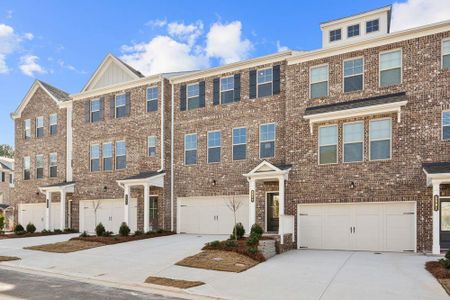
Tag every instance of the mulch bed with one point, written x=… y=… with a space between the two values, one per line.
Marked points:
x=241 y=248
x=66 y=247
x=440 y=273
x=8 y=258
x=116 y=239
x=25 y=235
x=181 y=284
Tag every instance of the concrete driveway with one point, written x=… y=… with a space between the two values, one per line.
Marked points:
x=298 y=274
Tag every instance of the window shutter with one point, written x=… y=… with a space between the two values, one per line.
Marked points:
x=128 y=103
x=201 y=99
x=183 y=97
x=237 y=87
x=112 y=107
x=252 y=86
x=87 y=111
x=102 y=108
x=216 y=91
x=276 y=79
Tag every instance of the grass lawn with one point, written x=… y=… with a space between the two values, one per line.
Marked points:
x=8 y=258
x=219 y=260
x=181 y=284
x=440 y=273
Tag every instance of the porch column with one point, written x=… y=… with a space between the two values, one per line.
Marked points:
x=146 y=208
x=62 y=216
x=436 y=221
x=126 y=204
x=281 y=208
x=48 y=209
x=252 y=203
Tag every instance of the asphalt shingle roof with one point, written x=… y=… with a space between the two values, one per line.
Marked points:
x=57 y=93
x=436 y=167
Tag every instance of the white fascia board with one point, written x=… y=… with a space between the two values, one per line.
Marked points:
x=70 y=188
x=157 y=180
x=438 y=178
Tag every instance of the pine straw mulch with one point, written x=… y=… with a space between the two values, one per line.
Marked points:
x=116 y=239
x=66 y=247
x=27 y=234
x=239 y=246
x=181 y=284
x=8 y=258
x=219 y=260
x=440 y=273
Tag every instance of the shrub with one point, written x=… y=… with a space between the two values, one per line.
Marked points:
x=138 y=232
x=214 y=244
x=445 y=262
x=252 y=250
x=57 y=231
x=256 y=230
x=253 y=239
x=45 y=231
x=238 y=232
x=2 y=222
x=160 y=230
x=230 y=244
x=31 y=228
x=124 y=230
x=84 y=234
x=70 y=230
x=107 y=233
x=100 y=229
x=19 y=229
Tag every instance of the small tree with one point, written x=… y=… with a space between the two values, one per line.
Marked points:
x=2 y=223
x=96 y=206
x=124 y=230
x=31 y=228
x=6 y=151
x=100 y=229
x=234 y=205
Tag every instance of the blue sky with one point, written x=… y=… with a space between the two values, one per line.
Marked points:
x=62 y=42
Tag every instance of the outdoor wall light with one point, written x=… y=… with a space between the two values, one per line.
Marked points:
x=352 y=185
x=105 y=188
x=436 y=203
x=214 y=182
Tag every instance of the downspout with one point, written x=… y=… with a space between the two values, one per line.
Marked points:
x=171 y=158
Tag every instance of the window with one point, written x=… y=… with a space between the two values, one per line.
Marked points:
x=239 y=143
x=3 y=176
x=353 y=30
x=214 y=146
x=227 y=90
x=372 y=26
x=265 y=82
x=11 y=179
x=27 y=129
x=353 y=142
x=153 y=209
x=319 y=81
x=335 y=35
x=95 y=158
x=446 y=125
x=121 y=106
x=39 y=126
x=328 y=137
x=53 y=165
x=380 y=139
x=39 y=166
x=53 y=124
x=95 y=110
x=121 y=155
x=193 y=96
x=390 y=68
x=446 y=54
x=190 y=149
x=353 y=75
x=267 y=140
x=151 y=146
x=26 y=168
x=152 y=99
x=107 y=157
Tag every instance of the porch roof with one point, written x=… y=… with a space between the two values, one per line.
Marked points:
x=267 y=170
x=67 y=187
x=437 y=172
x=155 y=178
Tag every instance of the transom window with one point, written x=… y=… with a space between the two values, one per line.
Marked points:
x=121 y=155
x=267 y=140
x=26 y=168
x=265 y=82
x=328 y=137
x=152 y=99
x=353 y=30
x=107 y=156
x=39 y=126
x=190 y=149
x=380 y=134
x=353 y=75
x=193 y=96
x=214 y=146
x=239 y=143
x=151 y=146
x=446 y=125
x=121 y=105
x=27 y=129
x=227 y=90
x=53 y=124
x=95 y=157
x=95 y=110
x=372 y=26
x=446 y=54
x=39 y=166
x=353 y=141
x=335 y=35
x=319 y=81
x=390 y=68
x=53 y=158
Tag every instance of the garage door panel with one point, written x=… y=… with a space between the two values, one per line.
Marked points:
x=337 y=231
x=311 y=233
x=398 y=237
x=368 y=231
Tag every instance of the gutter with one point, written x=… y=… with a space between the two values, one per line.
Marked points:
x=162 y=124
x=171 y=159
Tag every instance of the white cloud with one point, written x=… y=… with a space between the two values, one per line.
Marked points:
x=10 y=41
x=189 y=33
x=29 y=36
x=281 y=48
x=415 y=13
x=224 y=41
x=9 y=14
x=69 y=67
x=29 y=65
x=156 y=23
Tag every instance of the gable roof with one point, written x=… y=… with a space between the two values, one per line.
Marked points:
x=102 y=68
x=59 y=96
x=4 y=167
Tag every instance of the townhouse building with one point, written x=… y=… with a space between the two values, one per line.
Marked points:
x=344 y=147
x=6 y=179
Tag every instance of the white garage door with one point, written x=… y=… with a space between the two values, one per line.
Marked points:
x=210 y=215
x=363 y=226
x=109 y=212
x=35 y=213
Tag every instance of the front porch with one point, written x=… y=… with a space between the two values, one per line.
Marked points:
x=63 y=190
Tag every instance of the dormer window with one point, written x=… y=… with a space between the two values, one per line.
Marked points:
x=372 y=26
x=335 y=35
x=353 y=30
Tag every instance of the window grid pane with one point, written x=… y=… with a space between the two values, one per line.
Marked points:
x=335 y=35
x=213 y=139
x=372 y=26
x=353 y=142
x=226 y=84
x=353 y=30
x=190 y=142
x=328 y=135
x=152 y=93
x=446 y=125
x=380 y=139
x=267 y=132
x=53 y=119
x=239 y=136
x=265 y=76
x=193 y=90
x=390 y=60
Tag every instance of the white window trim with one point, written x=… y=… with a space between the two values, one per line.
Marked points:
x=26 y=158
x=442 y=51
x=50 y=119
x=153 y=99
x=274 y=140
x=50 y=163
x=91 y=158
x=390 y=140
x=344 y=143
x=372 y=21
x=43 y=165
x=187 y=93
x=186 y=149
x=113 y=161
x=258 y=83
x=328 y=79
x=116 y=156
x=220 y=86
x=343 y=73
x=115 y=103
x=27 y=128
x=379 y=67
x=319 y=145
x=94 y=111
x=359 y=34
x=43 y=124
x=208 y=147
x=148 y=145
x=233 y=144
x=442 y=125
x=329 y=35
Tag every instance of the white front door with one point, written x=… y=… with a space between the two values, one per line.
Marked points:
x=360 y=226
